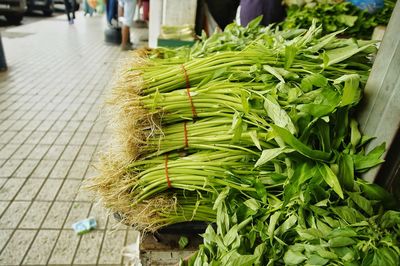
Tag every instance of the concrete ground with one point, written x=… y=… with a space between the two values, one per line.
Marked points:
x=50 y=132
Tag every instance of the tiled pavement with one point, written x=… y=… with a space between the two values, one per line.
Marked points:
x=50 y=131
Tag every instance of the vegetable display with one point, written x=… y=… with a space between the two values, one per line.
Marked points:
x=252 y=130
x=338 y=15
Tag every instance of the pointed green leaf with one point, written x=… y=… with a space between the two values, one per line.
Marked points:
x=361 y=202
x=340 y=54
x=289 y=139
x=254 y=138
x=274 y=72
x=293 y=257
x=290 y=54
x=278 y=115
x=269 y=154
x=273 y=220
x=286 y=225
x=341 y=241
x=351 y=91
x=331 y=179
x=355 y=135
x=231 y=235
x=252 y=204
x=365 y=162
x=346 y=171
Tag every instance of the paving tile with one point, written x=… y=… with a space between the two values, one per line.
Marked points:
x=3 y=180
x=17 y=246
x=5 y=114
x=61 y=169
x=79 y=211
x=64 y=138
x=53 y=116
x=39 y=151
x=33 y=124
x=44 y=168
x=26 y=168
x=57 y=215
x=72 y=126
x=89 y=248
x=85 y=127
x=114 y=224
x=100 y=214
x=93 y=138
x=29 y=115
x=99 y=126
x=85 y=195
x=92 y=116
x=9 y=167
x=48 y=114
x=6 y=124
x=50 y=137
x=59 y=126
x=46 y=124
x=79 y=138
x=39 y=252
x=35 y=137
x=86 y=153
x=112 y=247
x=35 y=215
x=49 y=189
x=21 y=137
x=18 y=125
x=30 y=189
x=91 y=171
x=4 y=237
x=54 y=152
x=78 y=169
x=8 y=150
x=23 y=151
x=6 y=136
x=65 y=248
x=3 y=206
x=79 y=116
x=70 y=152
x=14 y=213
x=11 y=188
x=67 y=115
x=69 y=190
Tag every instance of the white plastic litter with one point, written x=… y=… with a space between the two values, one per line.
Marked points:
x=131 y=253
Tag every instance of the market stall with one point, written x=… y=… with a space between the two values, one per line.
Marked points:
x=254 y=133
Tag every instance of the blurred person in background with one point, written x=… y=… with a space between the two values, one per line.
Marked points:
x=128 y=7
x=145 y=5
x=70 y=10
x=272 y=11
x=112 y=12
x=224 y=12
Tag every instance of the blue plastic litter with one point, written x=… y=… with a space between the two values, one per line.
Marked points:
x=84 y=226
x=368 y=5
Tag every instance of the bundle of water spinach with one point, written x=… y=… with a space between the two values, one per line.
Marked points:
x=258 y=137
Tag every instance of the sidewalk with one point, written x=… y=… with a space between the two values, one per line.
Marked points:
x=50 y=131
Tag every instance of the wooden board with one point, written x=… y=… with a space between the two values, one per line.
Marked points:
x=380 y=111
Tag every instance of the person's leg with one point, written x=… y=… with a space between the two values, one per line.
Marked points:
x=125 y=35
x=109 y=11
x=67 y=9
x=129 y=11
x=73 y=8
x=249 y=10
x=223 y=11
x=273 y=11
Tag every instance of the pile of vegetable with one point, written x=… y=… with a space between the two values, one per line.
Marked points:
x=253 y=132
x=337 y=15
